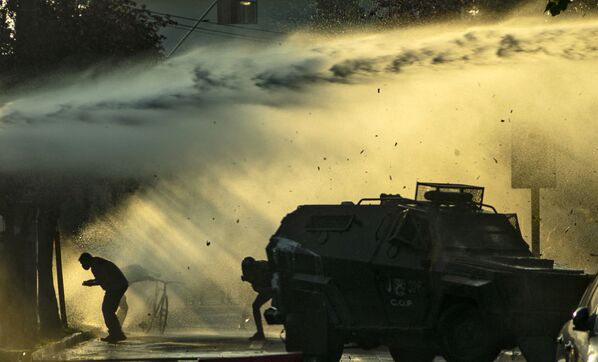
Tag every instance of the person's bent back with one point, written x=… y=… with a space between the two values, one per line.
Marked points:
x=107 y=274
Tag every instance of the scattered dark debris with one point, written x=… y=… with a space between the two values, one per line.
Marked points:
x=390 y=176
x=155 y=176
x=571 y=212
x=396 y=143
x=495 y=160
x=567 y=229
x=502 y=121
x=208 y=243
x=213 y=219
x=188 y=268
x=375 y=135
x=237 y=221
x=362 y=151
x=404 y=187
x=593 y=254
x=324 y=158
x=511 y=111
x=378 y=90
x=318 y=168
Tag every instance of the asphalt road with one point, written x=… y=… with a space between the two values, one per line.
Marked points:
x=194 y=344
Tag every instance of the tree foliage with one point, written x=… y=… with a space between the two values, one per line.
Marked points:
x=555 y=7
x=337 y=11
x=59 y=33
x=6 y=34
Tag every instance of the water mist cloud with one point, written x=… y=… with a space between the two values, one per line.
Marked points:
x=134 y=116
x=234 y=137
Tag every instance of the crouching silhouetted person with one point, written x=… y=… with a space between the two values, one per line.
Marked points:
x=112 y=280
x=258 y=274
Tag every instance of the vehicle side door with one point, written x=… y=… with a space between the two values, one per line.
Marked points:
x=403 y=264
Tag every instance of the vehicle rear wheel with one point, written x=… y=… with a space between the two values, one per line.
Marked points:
x=411 y=355
x=465 y=336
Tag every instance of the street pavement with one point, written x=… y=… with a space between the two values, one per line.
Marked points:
x=187 y=345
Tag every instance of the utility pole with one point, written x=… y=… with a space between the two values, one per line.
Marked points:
x=229 y=12
x=193 y=28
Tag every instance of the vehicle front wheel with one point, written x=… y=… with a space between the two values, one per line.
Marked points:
x=334 y=349
x=318 y=342
x=466 y=336
x=411 y=355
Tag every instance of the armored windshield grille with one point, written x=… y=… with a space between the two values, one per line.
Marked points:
x=476 y=192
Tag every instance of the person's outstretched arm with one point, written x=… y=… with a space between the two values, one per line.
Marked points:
x=91 y=283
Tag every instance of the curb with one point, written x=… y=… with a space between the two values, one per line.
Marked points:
x=56 y=347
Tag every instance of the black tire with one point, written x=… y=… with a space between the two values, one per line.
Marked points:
x=301 y=336
x=336 y=345
x=411 y=355
x=465 y=336
x=334 y=350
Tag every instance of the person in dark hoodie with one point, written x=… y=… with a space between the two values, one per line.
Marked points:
x=112 y=280
x=258 y=274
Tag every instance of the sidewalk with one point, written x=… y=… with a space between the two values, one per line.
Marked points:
x=41 y=352
x=50 y=349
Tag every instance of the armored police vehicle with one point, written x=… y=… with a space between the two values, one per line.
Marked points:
x=441 y=274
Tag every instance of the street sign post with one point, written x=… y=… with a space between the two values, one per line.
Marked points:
x=533 y=166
